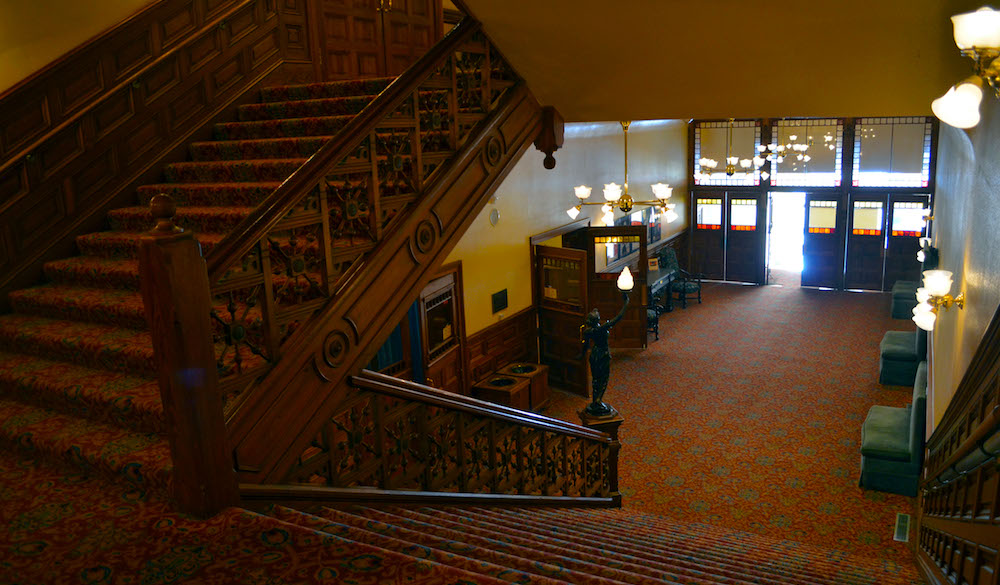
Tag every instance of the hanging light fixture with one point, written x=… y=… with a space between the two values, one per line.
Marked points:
x=977 y=35
x=733 y=163
x=616 y=195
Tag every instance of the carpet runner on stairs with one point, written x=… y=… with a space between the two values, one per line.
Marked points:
x=600 y=547
x=77 y=377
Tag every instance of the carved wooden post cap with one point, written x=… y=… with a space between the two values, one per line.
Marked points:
x=163 y=208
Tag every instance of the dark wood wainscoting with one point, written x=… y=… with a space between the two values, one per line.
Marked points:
x=959 y=527
x=512 y=339
x=76 y=137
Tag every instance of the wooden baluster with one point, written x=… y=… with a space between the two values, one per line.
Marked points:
x=175 y=291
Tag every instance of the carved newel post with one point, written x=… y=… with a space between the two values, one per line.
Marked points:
x=177 y=297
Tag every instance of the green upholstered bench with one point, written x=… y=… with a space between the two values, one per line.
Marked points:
x=904 y=298
x=899 y=354
x=892 y=443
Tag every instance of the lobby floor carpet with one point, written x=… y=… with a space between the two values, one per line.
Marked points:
x=747 y=414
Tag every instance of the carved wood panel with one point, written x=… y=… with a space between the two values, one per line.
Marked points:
x=74 y=135
x=327 y=348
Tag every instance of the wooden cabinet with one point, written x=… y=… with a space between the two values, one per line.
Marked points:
x=375 y=38
x=442 y=333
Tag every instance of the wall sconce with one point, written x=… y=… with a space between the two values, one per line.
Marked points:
x=932 y=296
x=977 y=35
x=927 y=254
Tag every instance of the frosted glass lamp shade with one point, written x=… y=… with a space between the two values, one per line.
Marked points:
x=925 y=242
x=662 y=191
x=608 y=218
x=959 y=106
x=921 y=256
x=625 y=281
x=764 y=175
x=581 y=192
x=922 y=295
x=612 y=192
x=924 y=317
x=979 y=29
x=671 y=216
x=732 y=160
x=573 y=212
x=937 y=282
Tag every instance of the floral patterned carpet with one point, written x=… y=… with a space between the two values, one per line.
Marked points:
x=747 y=414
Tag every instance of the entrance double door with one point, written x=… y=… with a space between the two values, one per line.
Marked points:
x=727 y=239
x=883 y=236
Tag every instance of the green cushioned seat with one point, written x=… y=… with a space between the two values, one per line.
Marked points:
x=898 y=345
x=685 y=286
x=904 y=288
x=892 y=442
x=886 y=433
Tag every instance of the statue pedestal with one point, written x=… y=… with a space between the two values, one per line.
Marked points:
x=606 y=424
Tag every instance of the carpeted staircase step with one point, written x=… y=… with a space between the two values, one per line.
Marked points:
x=453 y=554
x=648 y=549
x=125 y=245
x=328 y=89
x=285 y=128
x=704 y=540
x=98 y=395
x=336 y=106
x=232 y=171
x=206 y=194
x=141 y=459
x=94 y=271
x=531 y=548
x=121 y=307
x=218 y=219
x=88 y=344
x=294 y=147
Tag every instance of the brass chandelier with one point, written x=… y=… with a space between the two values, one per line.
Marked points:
x=618 y=196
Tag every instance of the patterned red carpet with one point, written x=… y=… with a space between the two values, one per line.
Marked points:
x=747 y=414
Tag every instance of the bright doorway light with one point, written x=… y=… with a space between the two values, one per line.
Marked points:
x=788 y=217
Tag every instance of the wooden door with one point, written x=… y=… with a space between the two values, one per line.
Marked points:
x=410 y=28
x=823 y=241
x=906 y=227
x=744 y=242
x=561 y=290
x=352 y=38
x=443 y=332
x=708 y=238
x=866 y=242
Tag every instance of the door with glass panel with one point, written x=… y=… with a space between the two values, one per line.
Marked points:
x=561 y=290
x=442 y=329
x=823 y=242
x=906 y=227
x=708 y=238
x=866 y=242
x=744 y=242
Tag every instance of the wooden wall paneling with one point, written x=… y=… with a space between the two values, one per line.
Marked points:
x=410 y=27
x=513 y=339
x=352 y=32
x=66 y=162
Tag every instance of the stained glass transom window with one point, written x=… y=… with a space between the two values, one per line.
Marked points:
x=892 y=152
x=817 y=166
x=711 y=141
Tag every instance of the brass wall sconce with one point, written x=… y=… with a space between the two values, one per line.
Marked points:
x=977 y=35
x=935 y=294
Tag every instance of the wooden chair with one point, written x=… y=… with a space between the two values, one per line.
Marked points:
x=686 y=285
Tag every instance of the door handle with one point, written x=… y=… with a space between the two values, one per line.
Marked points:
x=429 y=381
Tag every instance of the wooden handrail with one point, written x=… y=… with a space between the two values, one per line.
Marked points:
x=267 y=215
x=106 y=36
x=418 y=392
x=307 y=494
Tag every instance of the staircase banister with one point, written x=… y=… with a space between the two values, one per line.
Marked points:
x=266 y=216
x=418 y=392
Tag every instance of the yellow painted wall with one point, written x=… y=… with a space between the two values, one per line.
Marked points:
x=35 y=32
x=533 y=200
x=967 y=234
